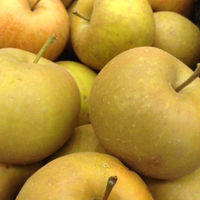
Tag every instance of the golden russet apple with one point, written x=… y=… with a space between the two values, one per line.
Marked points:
x=83 y=139
x=186 y=187
x=83 y=176
x=39 y=103
x=84 y=77
x=183 y=7
x=140 y=118
x=178 y=36
x=13 y=178
x=110 y=28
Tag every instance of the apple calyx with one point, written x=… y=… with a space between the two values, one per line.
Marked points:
x=110 y=184
x=34 y=5
x=50 y=40
x=190 y=79
x=75 y=12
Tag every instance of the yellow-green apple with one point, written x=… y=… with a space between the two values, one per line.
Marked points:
x=84 y=77
x=83 y=139
x=13 y=178
x=39 y=103
x=140 y=116
x=110 y=28
x=183 y=7
x=28 y=26
x=84 y=176
x=186 y=187
x=178 y=36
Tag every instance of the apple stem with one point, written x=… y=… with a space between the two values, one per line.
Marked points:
x=51 y=40
x=34 y=5
x=110 y=184
x=75 y=12
x=194 y=75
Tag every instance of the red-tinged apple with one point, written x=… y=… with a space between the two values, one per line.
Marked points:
x=178 y=36
x=142 y=114
x=39 y=103
x=28 y=26
x=84 y=176
x=109 y=28
x=13 y=178
x=83 y=139
x=183 y=7
x=84 y=77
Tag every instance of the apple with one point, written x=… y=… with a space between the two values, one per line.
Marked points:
x=196 y=15
x=84 y=77
x=186 y=187
x=66 y=3
x=143 y=117
x=107 y=28
x=13 y=178
x=39 y=103
x=84 y=176
x=183 y=7
x=28 y=26
x=178 y=36
x=68 y=53
x=83 y=139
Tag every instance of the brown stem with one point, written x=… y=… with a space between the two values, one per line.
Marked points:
x=32 y=7
x=75 y=12
x=51 y=40
x=194 y=75
x=110 y=184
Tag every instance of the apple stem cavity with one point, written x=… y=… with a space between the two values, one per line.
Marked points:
x=194 y=75
x=34 y=5
x=75 y=12
x=50 y=40
x=110 y=184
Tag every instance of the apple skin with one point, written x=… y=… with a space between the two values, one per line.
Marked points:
x=31 y=31
x=114 y=27
x=83 y=139
x=84 y=176
x=178 y=36
x=13 y=178
x=140 y=119
x=186 y=187
x=183 y=7
x=84 y=77
x=40 y=105
x=66 y=3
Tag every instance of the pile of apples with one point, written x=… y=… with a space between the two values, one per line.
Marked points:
x=99 y=100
